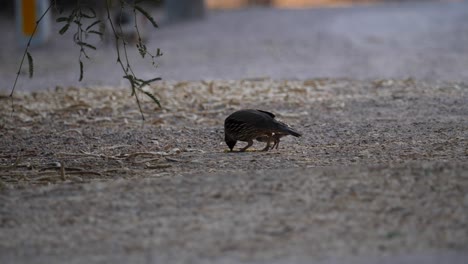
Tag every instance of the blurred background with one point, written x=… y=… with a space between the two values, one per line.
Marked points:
x=237 y=39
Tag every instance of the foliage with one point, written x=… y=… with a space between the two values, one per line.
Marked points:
x=85 y=21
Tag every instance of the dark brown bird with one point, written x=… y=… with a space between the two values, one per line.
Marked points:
x=250 y=124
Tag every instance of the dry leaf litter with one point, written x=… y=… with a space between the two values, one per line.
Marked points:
x=98 y=133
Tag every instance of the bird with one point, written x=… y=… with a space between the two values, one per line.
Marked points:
x=252 y=124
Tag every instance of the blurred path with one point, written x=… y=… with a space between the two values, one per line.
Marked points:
x=419 y=40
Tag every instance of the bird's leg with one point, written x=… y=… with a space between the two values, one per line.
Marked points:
x=274 y=144
x=269 y=137
x=250 y=143
x=277 y=140
x=267 y=147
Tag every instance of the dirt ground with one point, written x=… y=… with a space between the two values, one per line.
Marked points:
x=381 y=170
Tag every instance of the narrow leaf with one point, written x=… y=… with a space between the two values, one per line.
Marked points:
x=158 y=53
x=150 y=95
x=132 y=82
x=93 y=24
x=142 y=49
x=95 y=32
x=77 y=22
x=81 y=71
x=149 y=81
x=142 y=52
x=61 y=19
x=82 y=51
x=81 y=43
x=148 y=16
x=30 y=64
x=64 y=29
x=87 y=16
x=138 y=81
x=93 y=13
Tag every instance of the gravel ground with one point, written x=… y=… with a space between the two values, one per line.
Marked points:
x=381 y=174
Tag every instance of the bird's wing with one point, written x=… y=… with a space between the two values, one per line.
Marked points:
x=284 y=128
x=268 y=113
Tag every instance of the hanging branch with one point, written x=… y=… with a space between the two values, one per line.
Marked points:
x=76 y=16
x=26 y=53
x=125 y=70
x=136 y=83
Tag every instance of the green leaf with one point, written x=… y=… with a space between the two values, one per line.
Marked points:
x=77 y=22
x=81 y=71
x=30 y=64
x=158 y=53
x=93 y=24
x=84 y=53
x=139 y=81
x=150 y=95
x=131 y=79
x=95 y=32
x=149 y=81
x=81 y=43
x=142 y=49
x=148 y=16
x=64 y=29
x=62 y=19
x=76 y=37
x=93 y=13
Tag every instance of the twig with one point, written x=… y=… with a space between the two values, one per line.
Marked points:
x=158 y=166
x=62 y=170
x=119 y=60
x=14 y=165
x=72 y=130
x=117 y=146
x=134 y=155
x=174 y=160
x=26 y=51
x=147 y=160
x=87 y=154
x=68 y=169
x=45 y=178
x=85 y=172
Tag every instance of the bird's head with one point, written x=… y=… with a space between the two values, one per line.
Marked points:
x=230 y=142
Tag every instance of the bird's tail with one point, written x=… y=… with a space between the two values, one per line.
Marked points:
x=289 y=130
x=293 y=132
